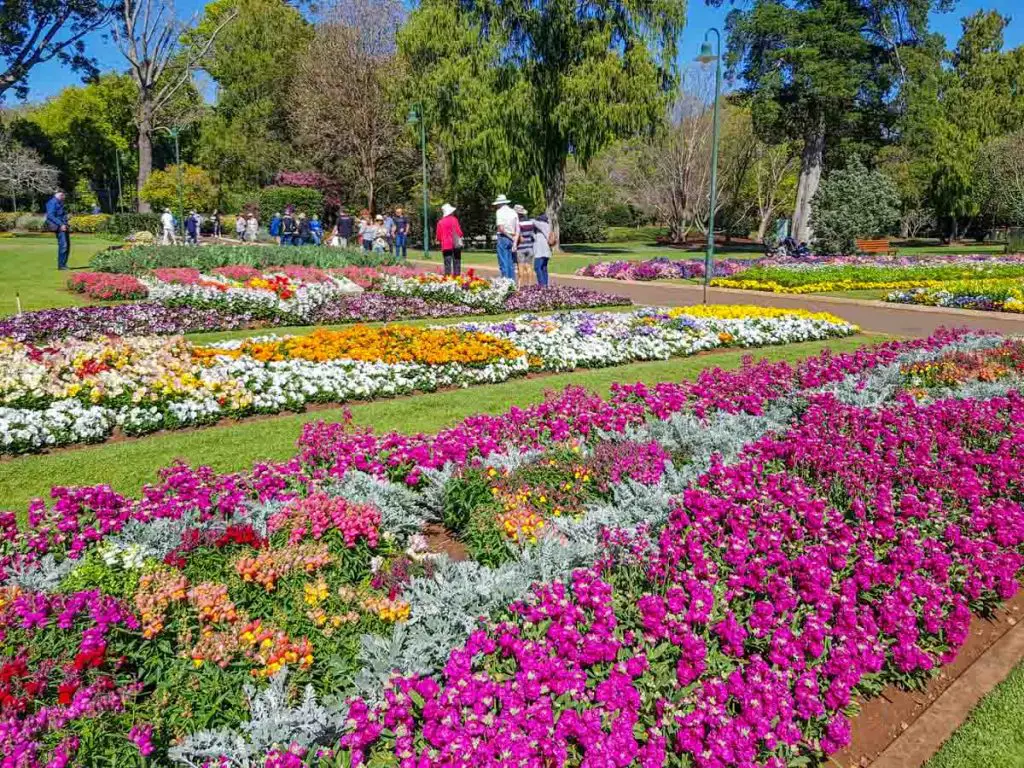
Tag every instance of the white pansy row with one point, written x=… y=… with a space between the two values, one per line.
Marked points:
x=489 y=294
x=260 y=302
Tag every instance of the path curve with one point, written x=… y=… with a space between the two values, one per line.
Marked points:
x=873 y=316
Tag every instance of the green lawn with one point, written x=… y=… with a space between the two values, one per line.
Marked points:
x=993 y=735
x=28 y=267
x=127 y=464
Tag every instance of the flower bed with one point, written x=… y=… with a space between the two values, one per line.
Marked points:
x=466 y=289
x=848 y=278
x=661 y=269
x=735 y=625
x=275 y=296
x=141 y=259
x=80 y=391
x=97 y=285
x=988 y=295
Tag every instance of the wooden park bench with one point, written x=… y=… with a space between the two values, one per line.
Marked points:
x=880 y=245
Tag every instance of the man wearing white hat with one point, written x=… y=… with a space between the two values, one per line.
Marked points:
x=507 y=221
x=449 y=235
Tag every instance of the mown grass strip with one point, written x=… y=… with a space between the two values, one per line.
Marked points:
x=126 y=465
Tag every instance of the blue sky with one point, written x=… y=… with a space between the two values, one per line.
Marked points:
x=49 y=78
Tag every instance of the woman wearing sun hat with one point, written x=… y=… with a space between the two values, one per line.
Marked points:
x=449 y=235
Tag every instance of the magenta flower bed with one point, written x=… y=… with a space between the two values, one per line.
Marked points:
x=841 y=556
x=105 y=286
x=661 y=269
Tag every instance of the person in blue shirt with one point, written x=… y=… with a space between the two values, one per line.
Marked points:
x=192 y=229
x=316 y=230
x=57 y=222
x=275 y=227
x=401 y=234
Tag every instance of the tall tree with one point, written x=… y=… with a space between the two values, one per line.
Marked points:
x=245 y=137
x=33 y=32
x=980 y=95
x=350 y=125
x=573 y=76
x=819 y=70
x=148 y=36
x=83 y=128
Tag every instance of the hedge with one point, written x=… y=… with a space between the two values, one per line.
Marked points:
x=88 y=223
x=141 y=258
x=276 y=199
x=124 y=224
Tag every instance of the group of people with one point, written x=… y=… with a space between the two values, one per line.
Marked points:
x=169 y=228
x=294 y=228
x=524 y=243
x=383 y=233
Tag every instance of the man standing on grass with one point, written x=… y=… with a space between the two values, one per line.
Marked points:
x=57 y=221
x=507 y=222
x=401 y=234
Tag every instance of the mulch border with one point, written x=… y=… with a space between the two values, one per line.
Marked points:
x=903 y=729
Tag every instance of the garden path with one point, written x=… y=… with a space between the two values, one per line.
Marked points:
x=874 y=316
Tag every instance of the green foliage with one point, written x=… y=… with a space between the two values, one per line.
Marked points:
x=276 y=199
x=581 y=221
x=244 y=138
x=30 y=222
x=123 y=224
x=197 y=189
x=37 y=30
x=531 y=83
x=484 y=540
x=93 y=573
x=999 y=178
x=462 y=495
x=853 y=203
x=81 y=130
x=142 y=258
x=88 y=223
x=8 y=220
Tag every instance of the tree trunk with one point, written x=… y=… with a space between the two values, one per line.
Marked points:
x=554 y=198
x=762 y=225
x=810 y=176
x=145 y=147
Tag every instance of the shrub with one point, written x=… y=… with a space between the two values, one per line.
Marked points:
x=853 y=203
x=88 y=223
x=8 y=220
x=30 y=222
x=124 y=224
x=142 y=258
x=197 y=187
x=581 y=221
x=276 y=199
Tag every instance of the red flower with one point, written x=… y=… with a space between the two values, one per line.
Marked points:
x=66 y=692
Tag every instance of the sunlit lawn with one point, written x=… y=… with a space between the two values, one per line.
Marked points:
x=28 y=268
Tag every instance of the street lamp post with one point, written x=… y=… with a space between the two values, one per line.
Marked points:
x=706 y=57
x=416 y=116
x=174 y=133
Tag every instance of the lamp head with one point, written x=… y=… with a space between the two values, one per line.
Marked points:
x=706 y=56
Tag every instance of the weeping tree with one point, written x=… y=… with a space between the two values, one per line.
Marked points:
x=563 y=78
x=818 y=71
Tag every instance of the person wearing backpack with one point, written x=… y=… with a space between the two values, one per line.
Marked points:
x=449 y=235
x=543 y=242
x=288 y=227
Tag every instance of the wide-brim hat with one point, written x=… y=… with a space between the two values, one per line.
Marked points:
x=447 y=209
x=378 y=217
x=520 y=210
x=501 y=200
